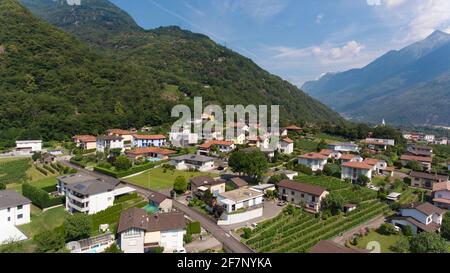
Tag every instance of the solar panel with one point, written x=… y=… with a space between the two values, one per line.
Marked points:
x=80 y=187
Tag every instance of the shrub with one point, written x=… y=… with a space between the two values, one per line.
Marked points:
x=401 y=246
x=2 y=186
x=247 y=233
x=123 y=163
x=193 y=228
x=48 y=168
x=113 y=249
x=40 y=197
x=428 y=242
x=303 y=169
x=187 y=238
x=41 y=170
x=387 y=229
x=180 y=185
x=49 y=241
x=77 y=226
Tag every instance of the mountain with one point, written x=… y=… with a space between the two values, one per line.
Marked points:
x=408 y=86
x=58 y=84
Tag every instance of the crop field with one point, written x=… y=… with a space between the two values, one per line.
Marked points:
x=13 y=171
x=298 y=232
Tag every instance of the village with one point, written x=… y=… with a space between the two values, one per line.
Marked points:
x=134 y=191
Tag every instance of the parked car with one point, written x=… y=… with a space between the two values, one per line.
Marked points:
x=281 y=203
x=180 y=250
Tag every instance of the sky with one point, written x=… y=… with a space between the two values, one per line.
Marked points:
x=300 y=40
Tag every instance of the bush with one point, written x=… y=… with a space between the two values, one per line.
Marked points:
x=194 y=228
x=49 y=241
x=2 y=186
x=387 y=229
x=408 y=231
x=187 y=238
x=113 y=249
x=77 y=226
x=445 y=228
x=48 y=168
x=44 y=172
x=40 y=197
x=180 y=185
x=428 y=242
x=247 y=233
x=401 y=246
x=123 y=163
x=303 y=169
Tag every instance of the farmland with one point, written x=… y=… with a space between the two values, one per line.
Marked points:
x=298 y=232
x=13 y=171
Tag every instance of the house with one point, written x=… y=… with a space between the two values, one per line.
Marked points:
x=292 y=128
x=183 y=138
x=126 y=135
x=237 y=182
x=240 y=205
x=201 y=184
x=286 y=146
x=26 y=147
x=264 y=188
x=236 y=132
x=110 y=143
x=331 y=154
x=150 y=153
x=424 y=160
x=394 y=196
x=441 y=141
x=351 y=158
x=160 y=201
x=149 y=141
x=289 y=174
x=97 y=244
x=85 y=142
x=344 y=147
x=193 y=162
x=313 y=160
x=139 y=232
x=426 y=180
x=307 y=195
x=419 y=150
x=378 y=143
x=63 y=181
x=353 y=170
x=14 y=208
x=221 y=146
x=47 y=158
x=330 y=247
x=441 y=195
x=420 y=217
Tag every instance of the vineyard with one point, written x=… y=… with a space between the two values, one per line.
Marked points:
x=298 y=232
x=14 y=171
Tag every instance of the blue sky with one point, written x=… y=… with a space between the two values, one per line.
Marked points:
x=300 y=40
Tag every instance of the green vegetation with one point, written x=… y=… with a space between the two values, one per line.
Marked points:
x=386 y=241
x=181 y=185
x=13 y=171
x=252 y=163
x=42 y=221
x=119 y=173
x=40 y=197
x=77 y=226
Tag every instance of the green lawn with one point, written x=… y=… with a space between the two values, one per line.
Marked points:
x=157 y=179
x=43 y=183
x=385 y=241
x=42 y=221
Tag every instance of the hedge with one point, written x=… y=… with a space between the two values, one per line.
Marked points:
x=133 y=170
x=44 y=172
x=193 y=228
x=48 y=168
x=78 y=163
x=40 y=197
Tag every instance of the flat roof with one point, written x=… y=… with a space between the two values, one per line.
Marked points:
x=75 y=178
x=242 y=194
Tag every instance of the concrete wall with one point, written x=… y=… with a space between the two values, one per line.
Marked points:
x=132 y=241
x=13 y=214
x=227 y=219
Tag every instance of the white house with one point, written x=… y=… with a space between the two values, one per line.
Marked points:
x=142 y=141
x=313 y=160
x=85 y=142
x=89 y=197
x=344 y=147
x=28 y=146
x=14 y=208
x=310 y=196
x=183 y=138
x=286 y=146
x=352 y=170
x=378 y=143
x=331 y=154
x=221 y=146
x=126 y=135
x=441 y=195
x=420 y=217
x=110 y=142
x=63 y=181
x=240 y=205
x=140 y=232
x=193 y=162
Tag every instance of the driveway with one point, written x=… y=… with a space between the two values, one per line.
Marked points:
x=203 y=245
x=374 y=223
x=229 y=242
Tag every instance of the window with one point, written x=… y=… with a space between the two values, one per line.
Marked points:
x=9 y=219
x=284 y=191
x=20 y=216
x=9 y=209
x=303 y=195
x=313 y=199
x=20 y=207
x=292 y=193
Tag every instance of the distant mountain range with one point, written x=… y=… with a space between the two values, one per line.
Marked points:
x=408 y=86
x=86 y=68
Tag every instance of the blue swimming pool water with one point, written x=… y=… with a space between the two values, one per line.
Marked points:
x=153 y=159
x=151 y=208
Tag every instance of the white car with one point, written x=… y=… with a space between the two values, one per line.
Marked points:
x=180 y=250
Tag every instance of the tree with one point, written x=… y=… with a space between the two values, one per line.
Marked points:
x=322 y=145
x=2 y=186
x=77 y=226
x=247 y=233
x=36 y=156
x=180 y=186
x=275 y=179
x=252 y=163
x=445 y=227
x=328 y=170
x=428 y=242
x=401 y=246
x=123 y=163
x=362 y=180
x=49 y=241
x=113 y=249
x=237 y=161
x=387 y=229
x=415 y=166
x=303 y=169
x=333 y=202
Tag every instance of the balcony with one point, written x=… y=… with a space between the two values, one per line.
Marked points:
x=77 y=208
x=78 y=198
x=245 y=209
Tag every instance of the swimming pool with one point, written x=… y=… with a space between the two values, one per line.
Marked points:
x=151 y=208
x=153 y=159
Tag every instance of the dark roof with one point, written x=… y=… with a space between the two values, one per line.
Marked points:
x=238 y=182
x=139 y=218
x=10 y=198
x=302 y=187
x=156 y=197
x=429 y=176
x=431 y=227
x=91 y=187
x=425 y=208
x=205 y=181
x=331 y=247
x=75 y=178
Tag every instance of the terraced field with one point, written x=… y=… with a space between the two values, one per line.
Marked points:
x=13 y=170
x=299 y=232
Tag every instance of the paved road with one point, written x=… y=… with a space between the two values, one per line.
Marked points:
x=230 y=243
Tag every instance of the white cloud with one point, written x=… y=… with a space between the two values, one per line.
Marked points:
x=374 y=2
x=319 y=18
x=259 y=9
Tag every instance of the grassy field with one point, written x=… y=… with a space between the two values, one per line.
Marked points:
x=42 y=221
x=14 y=170
x=45 y=183
x=385 y=241
x=158 y=179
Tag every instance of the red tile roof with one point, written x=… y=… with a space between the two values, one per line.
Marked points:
x=416 y=158
x=288 y=140
x=149 y=137
x=357 y=165
x=326 y=152
x=148 y=150
x=85 y=138
x=208 y=144
x=293 y=127
x=347 y=156
x=119 y=132
x=371 y=161
x=441 y=186
x=313 y=156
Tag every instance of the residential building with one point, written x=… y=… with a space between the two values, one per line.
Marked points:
x=150 y=153
x=353 y=170
x=289 y=174
x=351 y=158
x=26 y=147
x=110 y=143
x=85 y=142
x=126 y=135
x=237 y=182
x=330 y=247
x=378 y=143
x=14 y=208
x=331 y=154
x=89 y=197
x=292 y=128
x=221 y=146
x=419 y=150
x=307 y=195
x=313 y=160
x=344 y=147
x=240 y=205
x=420 y=217
x=193 y=162
x=286 y=146
x=441 y=141
x=63 y=181
x=142 y=141
x=139 y=232
x=441 y=195
x=426 y=180
x=380 y=167
x=183 y=138
x=160 y=202
x=201 y=184
x=425 y=161
x=264 y=188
